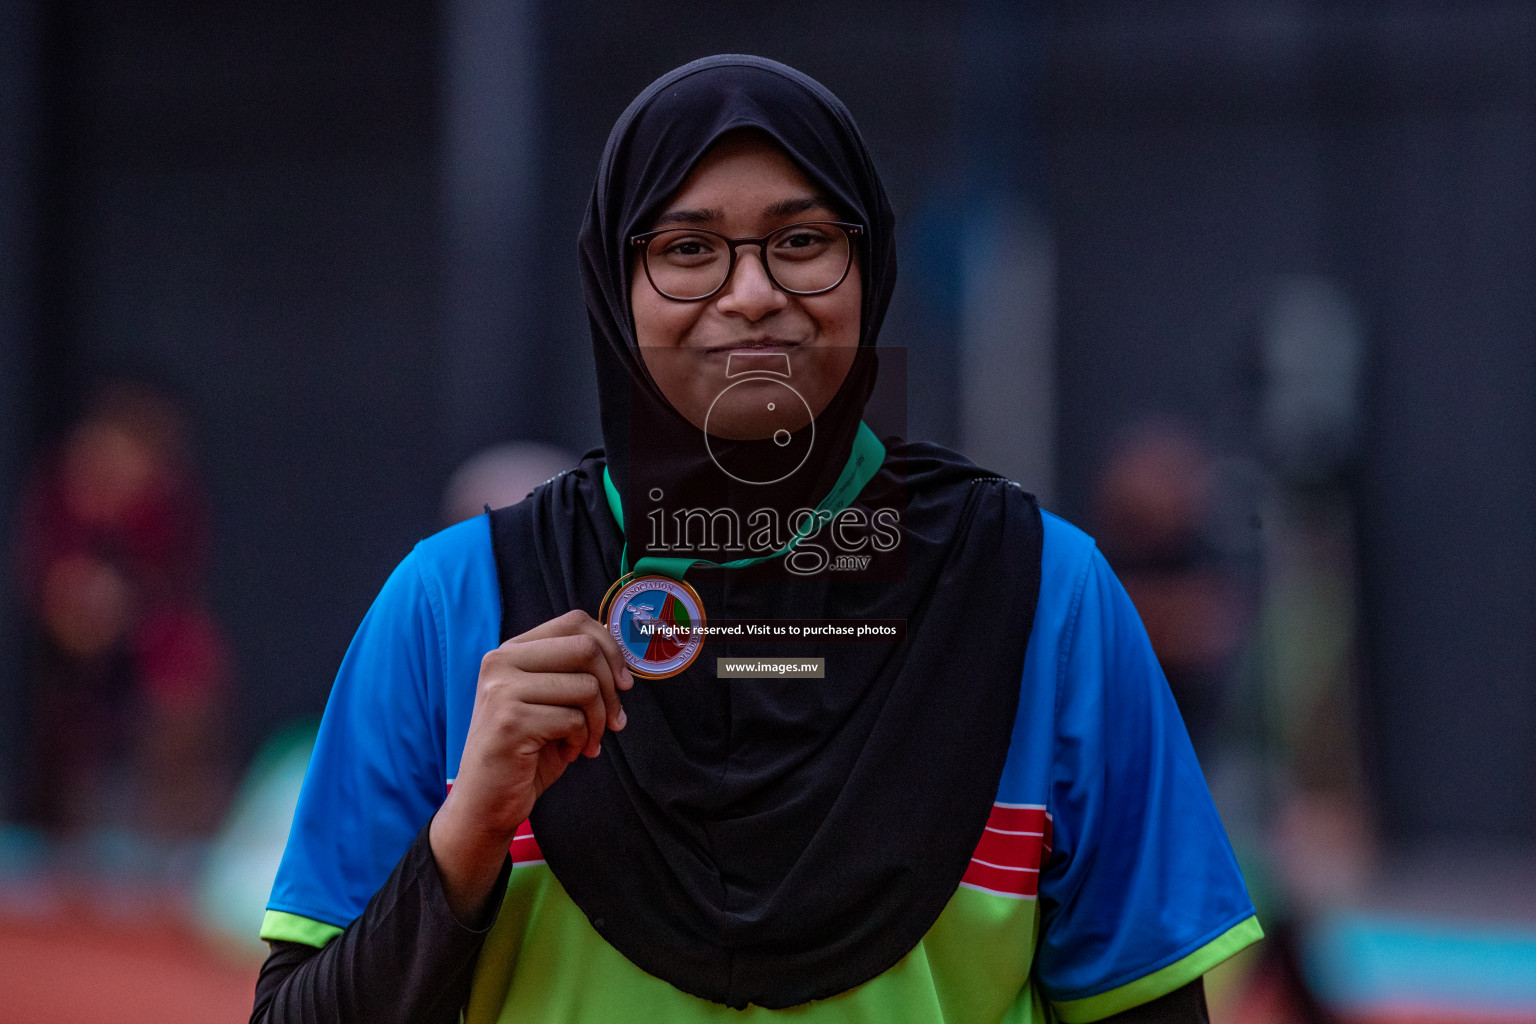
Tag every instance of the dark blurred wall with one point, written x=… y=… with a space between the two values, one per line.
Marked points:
x=1442 y=236
x=1202 y=151
x=492 y=279
x=20 y=131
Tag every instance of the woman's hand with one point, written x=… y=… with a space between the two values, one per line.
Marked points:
x=544 y=699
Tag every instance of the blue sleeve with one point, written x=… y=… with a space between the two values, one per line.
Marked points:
x=377 y=773
x=1141 y=893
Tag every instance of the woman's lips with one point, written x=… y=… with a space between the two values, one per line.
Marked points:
x=750 y=347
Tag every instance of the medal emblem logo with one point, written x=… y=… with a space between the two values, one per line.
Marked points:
x=658 y=624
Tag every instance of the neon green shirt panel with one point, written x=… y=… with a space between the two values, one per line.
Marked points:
x=544 y=962
x=284 y=927
x=1160 y=982
x=973 y=965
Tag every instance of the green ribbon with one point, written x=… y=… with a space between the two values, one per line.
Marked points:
x=864 y=461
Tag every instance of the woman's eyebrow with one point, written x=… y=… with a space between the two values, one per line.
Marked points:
x=791 y=207
x=703 y=216
x=707 y=215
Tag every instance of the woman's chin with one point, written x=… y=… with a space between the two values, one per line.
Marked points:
x=748 y=429
x=757 y=410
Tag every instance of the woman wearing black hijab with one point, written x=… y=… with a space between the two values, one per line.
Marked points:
x=913 y=836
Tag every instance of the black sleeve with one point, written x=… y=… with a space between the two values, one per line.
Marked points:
x=1181 y=1006
x=406 y=959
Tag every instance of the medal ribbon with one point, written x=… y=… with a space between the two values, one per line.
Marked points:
x=864 y=461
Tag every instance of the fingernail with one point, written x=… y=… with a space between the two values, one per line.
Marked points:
x=623 y=718
x=599 y=750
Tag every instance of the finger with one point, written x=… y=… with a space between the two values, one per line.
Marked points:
x=590 y=649
x=597 y=715
x=582 y=691
x=554 y=689
x=578 y=621
x=542 y=711
x=618 y=673
x=560 y=625
x=568 y=729
x=507 y=689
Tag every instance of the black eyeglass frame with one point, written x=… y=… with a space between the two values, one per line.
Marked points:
x=642 y=242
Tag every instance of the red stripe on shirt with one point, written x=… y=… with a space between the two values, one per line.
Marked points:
x=1021 y=819
x=1000 y=880
x=524 y=847
x=1011 y=851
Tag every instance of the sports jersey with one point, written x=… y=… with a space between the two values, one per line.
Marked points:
x=1103 y=878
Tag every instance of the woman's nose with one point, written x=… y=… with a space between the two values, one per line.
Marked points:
x=750 y=291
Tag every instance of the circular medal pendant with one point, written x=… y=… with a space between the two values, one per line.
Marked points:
x=658 y=623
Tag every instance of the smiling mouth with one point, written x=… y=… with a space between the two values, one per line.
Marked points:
x=750 y=346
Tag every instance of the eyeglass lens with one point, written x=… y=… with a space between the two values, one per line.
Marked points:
x=689 y=263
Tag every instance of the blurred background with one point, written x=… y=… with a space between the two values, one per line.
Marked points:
x=1246 y=289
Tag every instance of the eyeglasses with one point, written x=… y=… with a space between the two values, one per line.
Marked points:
x=691 y=264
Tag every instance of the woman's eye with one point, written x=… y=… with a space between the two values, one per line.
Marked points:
x=802 y=241
x=687 y=247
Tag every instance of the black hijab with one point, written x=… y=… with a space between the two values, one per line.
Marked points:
x=774 y=841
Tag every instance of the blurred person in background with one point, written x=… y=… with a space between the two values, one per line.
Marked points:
x=1151 y=514
x=130 y=668
x=500 y=475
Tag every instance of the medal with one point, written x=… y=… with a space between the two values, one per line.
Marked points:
x=658 y=623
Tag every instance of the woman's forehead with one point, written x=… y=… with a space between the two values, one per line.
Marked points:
x=743 y=174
